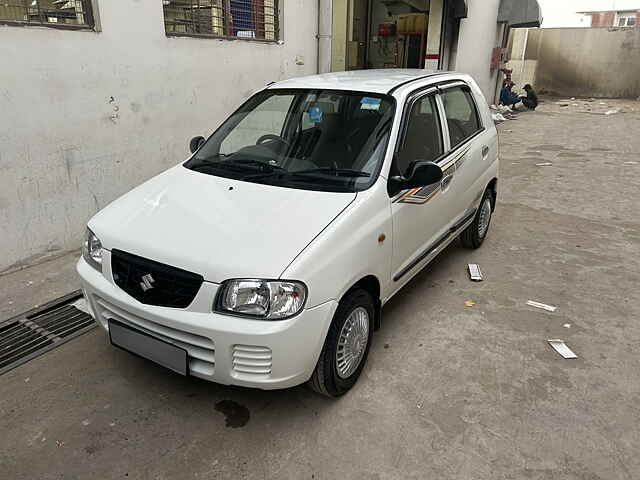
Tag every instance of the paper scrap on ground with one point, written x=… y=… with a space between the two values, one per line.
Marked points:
x=474 y=272
x=561 y=347
x=545 y=164
x=469 y=303
x=498 y=118
x=544 y=306
x=81 y=304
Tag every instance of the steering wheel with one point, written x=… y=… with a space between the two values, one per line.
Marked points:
x=269 y=137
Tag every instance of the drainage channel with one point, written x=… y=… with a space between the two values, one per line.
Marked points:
x=28 y=335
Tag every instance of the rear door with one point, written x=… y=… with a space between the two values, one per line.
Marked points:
x=468 y=144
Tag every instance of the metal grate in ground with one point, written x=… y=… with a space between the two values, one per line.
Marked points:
x=37 y=331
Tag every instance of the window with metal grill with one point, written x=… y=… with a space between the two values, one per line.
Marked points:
x=248 y=19
x=627 y=19
x=50 y=13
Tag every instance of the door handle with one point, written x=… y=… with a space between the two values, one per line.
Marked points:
x=485 y=152
x=446 y=181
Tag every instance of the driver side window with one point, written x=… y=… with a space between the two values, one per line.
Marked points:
x=423 y=137
x=267 y=119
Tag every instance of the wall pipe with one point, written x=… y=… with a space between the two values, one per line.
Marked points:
x=325 y=20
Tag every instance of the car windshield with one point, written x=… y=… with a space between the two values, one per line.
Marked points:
x=309 y=139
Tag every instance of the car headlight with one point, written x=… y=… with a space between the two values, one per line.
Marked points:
x=92 y=250
x=264 y=299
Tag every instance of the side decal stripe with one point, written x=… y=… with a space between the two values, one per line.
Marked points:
x=420 y=196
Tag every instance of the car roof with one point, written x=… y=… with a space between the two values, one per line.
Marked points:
x=374 y=81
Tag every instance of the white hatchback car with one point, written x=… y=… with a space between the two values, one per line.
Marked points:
x=264 y=260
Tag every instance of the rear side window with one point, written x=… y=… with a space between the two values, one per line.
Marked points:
x=462 y=115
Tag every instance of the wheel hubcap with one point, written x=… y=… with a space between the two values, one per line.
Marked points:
x=352 y=342
x=485 y=218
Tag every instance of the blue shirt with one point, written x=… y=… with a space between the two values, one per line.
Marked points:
x=507 y=98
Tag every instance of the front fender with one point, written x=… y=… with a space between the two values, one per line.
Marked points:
x=349 y=249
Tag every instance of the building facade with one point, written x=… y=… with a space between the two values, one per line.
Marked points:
x=99 y=95
x=614 y=18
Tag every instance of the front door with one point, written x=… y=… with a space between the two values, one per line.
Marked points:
x=419 y=215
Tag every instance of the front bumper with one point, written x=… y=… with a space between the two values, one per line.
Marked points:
x=221 y=348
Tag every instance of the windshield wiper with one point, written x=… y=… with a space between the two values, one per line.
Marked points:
x=270 y=167
x=264 y=175
x=239 y=165
x=197 y=162
x=307 y=176
x=334 y=172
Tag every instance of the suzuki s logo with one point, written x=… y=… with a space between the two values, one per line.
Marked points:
x=146 y=283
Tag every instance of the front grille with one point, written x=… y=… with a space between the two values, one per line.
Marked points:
x=251 y=359
x=201 y=350
x=154 y=283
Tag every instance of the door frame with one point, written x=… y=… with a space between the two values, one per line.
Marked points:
x=349 y=36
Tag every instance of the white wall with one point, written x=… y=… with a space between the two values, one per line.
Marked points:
x=434 y=34
x=67 y=149
x=478 y=37
x=579 y=62
x=339 y=36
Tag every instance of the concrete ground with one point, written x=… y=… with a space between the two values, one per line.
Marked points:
x=34 y=286
x=449 y=392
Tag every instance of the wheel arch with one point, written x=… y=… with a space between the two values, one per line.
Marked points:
x=493 y=187
x=371 y=284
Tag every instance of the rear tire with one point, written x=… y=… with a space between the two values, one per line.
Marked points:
x=346 y=347
x=473 y=236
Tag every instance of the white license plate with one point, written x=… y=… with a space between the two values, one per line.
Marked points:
x=139 y=343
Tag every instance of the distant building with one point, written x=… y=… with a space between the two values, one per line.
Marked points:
x=614 y=18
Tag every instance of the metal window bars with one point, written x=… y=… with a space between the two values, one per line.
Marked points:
x=47 y=12
x=251 y=19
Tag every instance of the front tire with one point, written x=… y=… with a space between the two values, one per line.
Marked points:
x=473 y=236
x=347 y=345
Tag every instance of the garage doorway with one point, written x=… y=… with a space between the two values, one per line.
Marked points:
x=386 y=34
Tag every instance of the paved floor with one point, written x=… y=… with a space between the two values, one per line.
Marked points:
x=34 y=286
x=449 y=392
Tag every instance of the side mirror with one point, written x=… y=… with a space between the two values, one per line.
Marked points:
x=423 y=174
x=196 y=143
